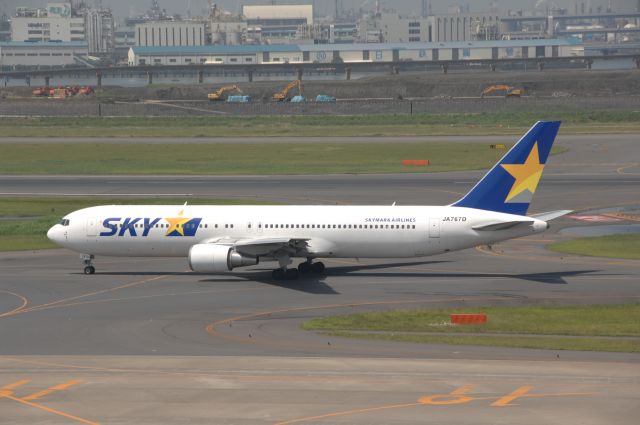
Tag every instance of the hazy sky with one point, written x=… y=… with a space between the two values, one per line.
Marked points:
x=123 y=8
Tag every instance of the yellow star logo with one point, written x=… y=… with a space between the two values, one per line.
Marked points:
x=176 y=225
x=527 y=175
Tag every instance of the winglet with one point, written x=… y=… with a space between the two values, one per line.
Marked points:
x=509 y=186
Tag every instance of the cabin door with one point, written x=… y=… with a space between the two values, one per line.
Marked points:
x=434 y=227
x=92 y=226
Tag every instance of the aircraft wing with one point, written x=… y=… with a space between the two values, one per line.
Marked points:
x=502 y=225
x=262 y=247
x=547 y=216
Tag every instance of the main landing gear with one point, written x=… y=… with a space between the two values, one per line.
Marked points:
x=305 y=268
x=87 y=260
x=311 y=268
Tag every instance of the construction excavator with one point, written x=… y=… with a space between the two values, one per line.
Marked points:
x=502 y=89
x=283 y=95
x=219 y=94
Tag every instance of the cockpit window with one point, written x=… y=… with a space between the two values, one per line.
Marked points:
x=64 y=222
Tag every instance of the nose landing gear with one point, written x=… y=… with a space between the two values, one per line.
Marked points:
x=87 y=260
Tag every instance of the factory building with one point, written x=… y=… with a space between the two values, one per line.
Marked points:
x=394 y=28
x=277 y=23
x=26 y=54
x=5 y=28
x=355 y=53
x=171 y=33
x=232 y=33
x=55 y=23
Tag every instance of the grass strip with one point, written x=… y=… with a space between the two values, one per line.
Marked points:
x=24 y=221
x=527 y=327
x=241 y=159
x=351 y=125
x=541 y=343
x=612 y=246
x=591 y=320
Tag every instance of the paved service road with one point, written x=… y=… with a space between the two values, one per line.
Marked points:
x=145 y=341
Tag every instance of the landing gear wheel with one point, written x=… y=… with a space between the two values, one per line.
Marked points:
x=318 y=267
x=305 y=268
x=87 y=260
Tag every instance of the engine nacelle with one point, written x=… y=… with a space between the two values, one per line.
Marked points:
x=213 y=258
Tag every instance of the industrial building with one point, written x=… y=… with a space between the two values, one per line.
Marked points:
x=170 y=33
x=394 y=28
x=55 y=23
x=5 y=28
x=27 y=54
x=277 y=23
x=355 y=53
x=99 y=28
x=61 y=22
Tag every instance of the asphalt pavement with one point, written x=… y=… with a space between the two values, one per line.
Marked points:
x=146 y=341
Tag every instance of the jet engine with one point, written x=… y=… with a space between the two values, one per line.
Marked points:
x=213 y=258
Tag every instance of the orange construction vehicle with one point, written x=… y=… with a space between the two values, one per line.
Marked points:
x=503 y=90
x=219 y=94
x=283 y=95
x=41 y=91
x=87 y=90
x=62 y=92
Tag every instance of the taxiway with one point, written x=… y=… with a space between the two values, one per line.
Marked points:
x=146 y=341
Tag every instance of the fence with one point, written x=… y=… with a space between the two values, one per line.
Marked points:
x=71 y=108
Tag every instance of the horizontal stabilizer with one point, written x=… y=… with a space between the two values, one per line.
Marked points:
x=502 y=225
x=548 y=216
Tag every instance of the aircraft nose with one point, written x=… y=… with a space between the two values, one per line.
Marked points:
x=55 y=234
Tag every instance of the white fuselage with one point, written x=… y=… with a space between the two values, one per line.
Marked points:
x=331 y=231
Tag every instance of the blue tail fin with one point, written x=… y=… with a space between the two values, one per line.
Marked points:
x=509 y=186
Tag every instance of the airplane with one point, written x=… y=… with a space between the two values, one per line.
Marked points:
x=217 y=239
